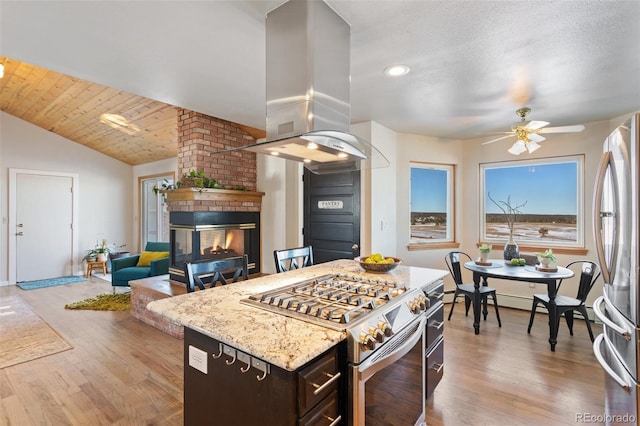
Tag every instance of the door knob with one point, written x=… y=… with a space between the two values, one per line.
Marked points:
x=20 y=234
x=355 y=247
x=19 y=225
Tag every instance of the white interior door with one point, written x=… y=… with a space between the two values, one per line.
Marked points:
x=43 y=226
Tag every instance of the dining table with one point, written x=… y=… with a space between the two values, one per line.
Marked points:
x=503 y=269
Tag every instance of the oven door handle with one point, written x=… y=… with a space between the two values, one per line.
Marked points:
x=376 y=363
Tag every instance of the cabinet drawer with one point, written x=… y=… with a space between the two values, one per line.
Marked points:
x=436 y=294
x=434 y=366
x=435 y=325
x=325 y=414
x=317 y=380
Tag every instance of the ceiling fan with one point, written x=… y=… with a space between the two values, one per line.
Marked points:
x=528 y=133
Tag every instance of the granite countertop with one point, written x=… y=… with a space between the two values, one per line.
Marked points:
x=286 y=342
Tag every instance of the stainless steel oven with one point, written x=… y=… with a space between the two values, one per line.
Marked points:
x=388 y=388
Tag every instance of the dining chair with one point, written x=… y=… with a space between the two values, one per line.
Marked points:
x=294 y=258
x=210 y=273
x=589 y=273
x=453 y=263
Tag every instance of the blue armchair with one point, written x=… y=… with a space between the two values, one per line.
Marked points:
x=125 y=269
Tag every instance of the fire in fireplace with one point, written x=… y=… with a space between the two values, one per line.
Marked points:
x=200 y=236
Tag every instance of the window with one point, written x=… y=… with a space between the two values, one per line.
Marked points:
x=432 y=212
x=548 y=194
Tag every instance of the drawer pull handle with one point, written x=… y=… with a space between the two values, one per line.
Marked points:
x=437 y=367
x=335 y=421
x=438 y=325
x=440 y=296
x=320 y=388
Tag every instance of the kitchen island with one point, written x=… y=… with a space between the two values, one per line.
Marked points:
x=246 y=364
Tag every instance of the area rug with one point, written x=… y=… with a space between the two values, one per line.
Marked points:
x=31 y=285
x=25 y=336
x=104 y=302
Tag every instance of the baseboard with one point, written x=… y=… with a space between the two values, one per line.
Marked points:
x=520 y=302
x=5 y=283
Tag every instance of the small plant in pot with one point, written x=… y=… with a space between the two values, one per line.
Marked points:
x=484 y=249
x=100 y=252
x=547 y=259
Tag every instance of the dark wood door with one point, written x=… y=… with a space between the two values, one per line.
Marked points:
x=332 y=215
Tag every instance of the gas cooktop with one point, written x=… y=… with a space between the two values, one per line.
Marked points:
x=336 y=301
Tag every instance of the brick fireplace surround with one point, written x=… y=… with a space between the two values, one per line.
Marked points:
x=198 y=136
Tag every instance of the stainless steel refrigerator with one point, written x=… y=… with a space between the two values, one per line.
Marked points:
x=615 y=213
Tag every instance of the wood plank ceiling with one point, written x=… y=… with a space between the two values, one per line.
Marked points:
x=140 y=130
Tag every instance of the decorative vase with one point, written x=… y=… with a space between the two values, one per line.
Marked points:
x=102 y=257
x=484 y=256
x=511 y=249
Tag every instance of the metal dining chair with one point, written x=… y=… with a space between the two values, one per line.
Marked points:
x=210 y=273
x=453 y=263
x=589 y=273
x=294 y=258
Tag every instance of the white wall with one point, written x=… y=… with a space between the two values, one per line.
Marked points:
x=378 y=225
x=104 y=183
x=281 y=213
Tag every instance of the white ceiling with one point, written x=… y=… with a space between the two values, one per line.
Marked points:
x=473 y=63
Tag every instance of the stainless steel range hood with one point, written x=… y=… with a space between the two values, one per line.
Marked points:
x=308 y=90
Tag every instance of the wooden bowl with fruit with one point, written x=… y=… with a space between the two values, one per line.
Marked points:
x=378 y=263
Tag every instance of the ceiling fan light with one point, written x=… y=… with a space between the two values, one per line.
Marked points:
x=517 y=148
x=532 y=146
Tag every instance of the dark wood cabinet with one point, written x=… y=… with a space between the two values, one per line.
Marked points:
x=434 y=344
x=236 y=390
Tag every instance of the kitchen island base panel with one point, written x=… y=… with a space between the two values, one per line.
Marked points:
x=232 y=393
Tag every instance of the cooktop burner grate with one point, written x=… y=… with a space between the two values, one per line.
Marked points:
x=338 y=299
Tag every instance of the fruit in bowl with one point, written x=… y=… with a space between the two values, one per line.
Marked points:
x=378 y=263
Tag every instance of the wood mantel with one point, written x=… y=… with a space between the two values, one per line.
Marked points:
x=209 y=194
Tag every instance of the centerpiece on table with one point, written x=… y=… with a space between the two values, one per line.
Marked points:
x=511 y=213
x=547 y=261
x=484 y=250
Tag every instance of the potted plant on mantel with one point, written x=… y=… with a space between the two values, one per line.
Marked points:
x=194 y=179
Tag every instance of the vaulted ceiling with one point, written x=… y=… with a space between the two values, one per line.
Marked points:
x=473 y=63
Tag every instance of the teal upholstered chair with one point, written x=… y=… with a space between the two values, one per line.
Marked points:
x=125 y=269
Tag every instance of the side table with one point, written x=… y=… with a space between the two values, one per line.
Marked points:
x=96 y=264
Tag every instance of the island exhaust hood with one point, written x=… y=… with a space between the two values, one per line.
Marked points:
x=308 y=91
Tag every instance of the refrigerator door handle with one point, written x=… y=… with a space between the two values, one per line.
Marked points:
x=615 y=326
x=597 y=352
x=597 y=214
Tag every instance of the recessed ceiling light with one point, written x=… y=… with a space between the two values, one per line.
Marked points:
x=396 y=70
x=276 y=153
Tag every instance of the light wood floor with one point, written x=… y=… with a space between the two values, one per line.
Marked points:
x=124 y=372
